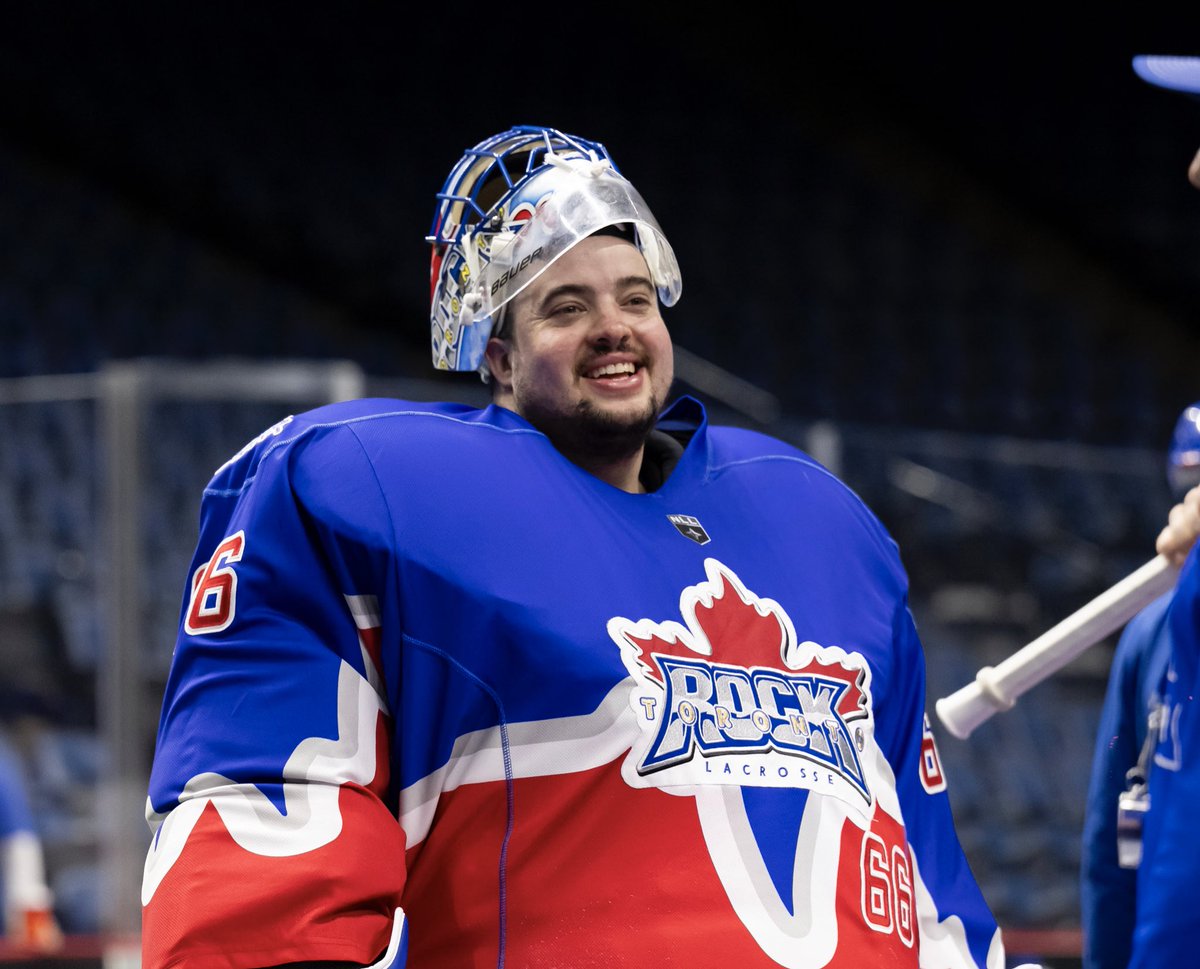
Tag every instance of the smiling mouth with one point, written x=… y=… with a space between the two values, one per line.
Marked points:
x=612 y=370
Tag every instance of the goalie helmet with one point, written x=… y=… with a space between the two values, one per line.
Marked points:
x=1183 y=457
x=513 y=205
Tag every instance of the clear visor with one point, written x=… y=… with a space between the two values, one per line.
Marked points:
x=564 y=204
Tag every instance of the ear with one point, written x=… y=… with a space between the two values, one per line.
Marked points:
x=498 y=354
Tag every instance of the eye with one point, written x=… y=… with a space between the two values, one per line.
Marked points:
x=566 y=311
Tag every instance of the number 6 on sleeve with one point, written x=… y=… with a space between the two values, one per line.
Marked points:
x=214 y=589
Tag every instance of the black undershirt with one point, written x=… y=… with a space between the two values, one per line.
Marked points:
x=659 y=457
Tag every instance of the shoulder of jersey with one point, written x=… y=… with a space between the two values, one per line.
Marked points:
x=734 y=443
x=736 y=447
x=326 y=422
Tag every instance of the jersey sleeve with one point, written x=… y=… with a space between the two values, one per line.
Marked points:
x=1168 y=921
x=955 y=924
x=275 y=837
x=1108 y=891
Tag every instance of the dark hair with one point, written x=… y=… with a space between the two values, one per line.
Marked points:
x=622 y=230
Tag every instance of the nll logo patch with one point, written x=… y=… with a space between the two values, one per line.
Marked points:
x=729 y=696
x=690 y=527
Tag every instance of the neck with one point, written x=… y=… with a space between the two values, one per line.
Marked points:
x=623 y=473
x=612 y=454
x=618 y=463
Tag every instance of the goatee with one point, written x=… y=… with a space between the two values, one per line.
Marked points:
x=594 y=435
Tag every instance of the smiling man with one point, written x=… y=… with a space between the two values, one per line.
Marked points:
x=587 y=358
x=571 y=680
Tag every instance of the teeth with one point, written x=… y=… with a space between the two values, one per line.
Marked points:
x=613 y=368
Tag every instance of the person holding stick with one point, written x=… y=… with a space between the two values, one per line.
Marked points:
x=1167 y=924
x=1124 y=744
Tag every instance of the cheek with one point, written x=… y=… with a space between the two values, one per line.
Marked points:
x=544 y=365
x=665 y=358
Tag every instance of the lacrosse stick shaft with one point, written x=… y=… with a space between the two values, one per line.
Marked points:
x=997 y=688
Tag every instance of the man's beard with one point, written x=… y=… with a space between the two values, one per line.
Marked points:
x=592 y=435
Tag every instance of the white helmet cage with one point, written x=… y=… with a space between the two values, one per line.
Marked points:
x=512 y=206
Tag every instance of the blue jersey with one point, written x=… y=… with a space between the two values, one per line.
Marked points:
x=1168 y=920
x=15 y=813
x=437 y=688
x=1109 y=891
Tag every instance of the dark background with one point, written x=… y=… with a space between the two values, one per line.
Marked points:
x=946 y=219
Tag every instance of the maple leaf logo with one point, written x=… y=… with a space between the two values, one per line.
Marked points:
x=726 y=621
x=734 y=679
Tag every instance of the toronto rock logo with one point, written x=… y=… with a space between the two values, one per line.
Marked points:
x=729 y=696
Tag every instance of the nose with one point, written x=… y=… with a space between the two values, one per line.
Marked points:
x=611 y=328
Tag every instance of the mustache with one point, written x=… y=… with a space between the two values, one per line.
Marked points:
x=625 y=346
